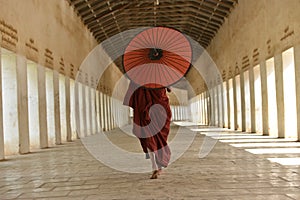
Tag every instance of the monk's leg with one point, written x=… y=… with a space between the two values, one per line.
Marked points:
x=154 y=165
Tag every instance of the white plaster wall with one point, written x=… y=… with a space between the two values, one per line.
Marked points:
x=50 y=107
x=33 y=106
x=62 y=107
x=10 y=104
x=51 y=24
x=72 y=105
x=250 y=26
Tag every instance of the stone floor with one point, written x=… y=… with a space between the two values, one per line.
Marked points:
x=236 y=168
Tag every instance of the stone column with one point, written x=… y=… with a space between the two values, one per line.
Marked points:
x=222 y=106
x=207 y=105
x=243 y=105
x=68 y=109
x=264 y=97
x=102 y=111
x=105 y=118
x=97 y=110
x=56 y=107
x=84 y=109
x=90 y=110
x=77 y=110
x=95 y=125
x=217 y=103
x=1 y=114
x=228 y=103
x=109 y=116
x=202 y=108
x=279 y=94
x=22 y=91
x=212 y=106
x=234 y=103
x=42 y=107
x=111 y=113
x=297 y=77
x=252 y=100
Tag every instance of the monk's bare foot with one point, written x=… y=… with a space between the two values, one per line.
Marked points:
x=159 y=171
x=154 y=174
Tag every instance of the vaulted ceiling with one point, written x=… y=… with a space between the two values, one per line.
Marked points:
x=200 y=19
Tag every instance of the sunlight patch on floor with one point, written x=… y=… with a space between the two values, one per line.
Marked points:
x=259 y=140
x=271 y=144
x=285 y=161
x=274 y=150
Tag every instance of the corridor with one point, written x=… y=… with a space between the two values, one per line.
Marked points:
x=230 y=171
x=224 y=73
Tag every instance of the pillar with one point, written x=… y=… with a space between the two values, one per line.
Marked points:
x=42 y=107
x=228 y=103
x=95 y=126
x=77 y=110
x=109 y=113
x=105 y=116
x=207 y=108
x=212 y=107
x=279 y=94
x=202 y=108
x=218 y=117
x=252 y=99
x=264 y=97
x=84 y=109
x=101 y=110
x=1 y=114
x=297 y=76
x=90 y=110
x=235 y=115
x=56 y=107
x=68 y=109
x=222 y=106
x=22 y=92
x=243 y=105
x=97 y=110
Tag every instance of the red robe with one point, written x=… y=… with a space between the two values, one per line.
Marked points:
x=153 y=138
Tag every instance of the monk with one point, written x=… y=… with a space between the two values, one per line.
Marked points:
x=151 y=125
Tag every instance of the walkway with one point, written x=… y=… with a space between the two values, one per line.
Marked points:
x=238 y=167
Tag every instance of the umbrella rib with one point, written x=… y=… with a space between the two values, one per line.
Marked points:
x=164 y=74
x=163 y=36
x=177 y=47
x=131 y=74
x=171 y=39
x=154 y=66
x=168 y=63
x=139 y=42
x=159 y=72
x=157 y=38
x=137 y=73
x=168 y=71
x=149 y=37
x=178 y=44
x=149 y=77
x=153 y=38
x=145 y=39
x=134 y=61
x=178 y=57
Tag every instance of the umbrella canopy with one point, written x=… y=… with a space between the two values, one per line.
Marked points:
x=157 y=57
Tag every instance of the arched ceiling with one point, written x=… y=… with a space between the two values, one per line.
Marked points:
x=200 y=19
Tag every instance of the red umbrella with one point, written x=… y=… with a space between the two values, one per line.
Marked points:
x=157 y=57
